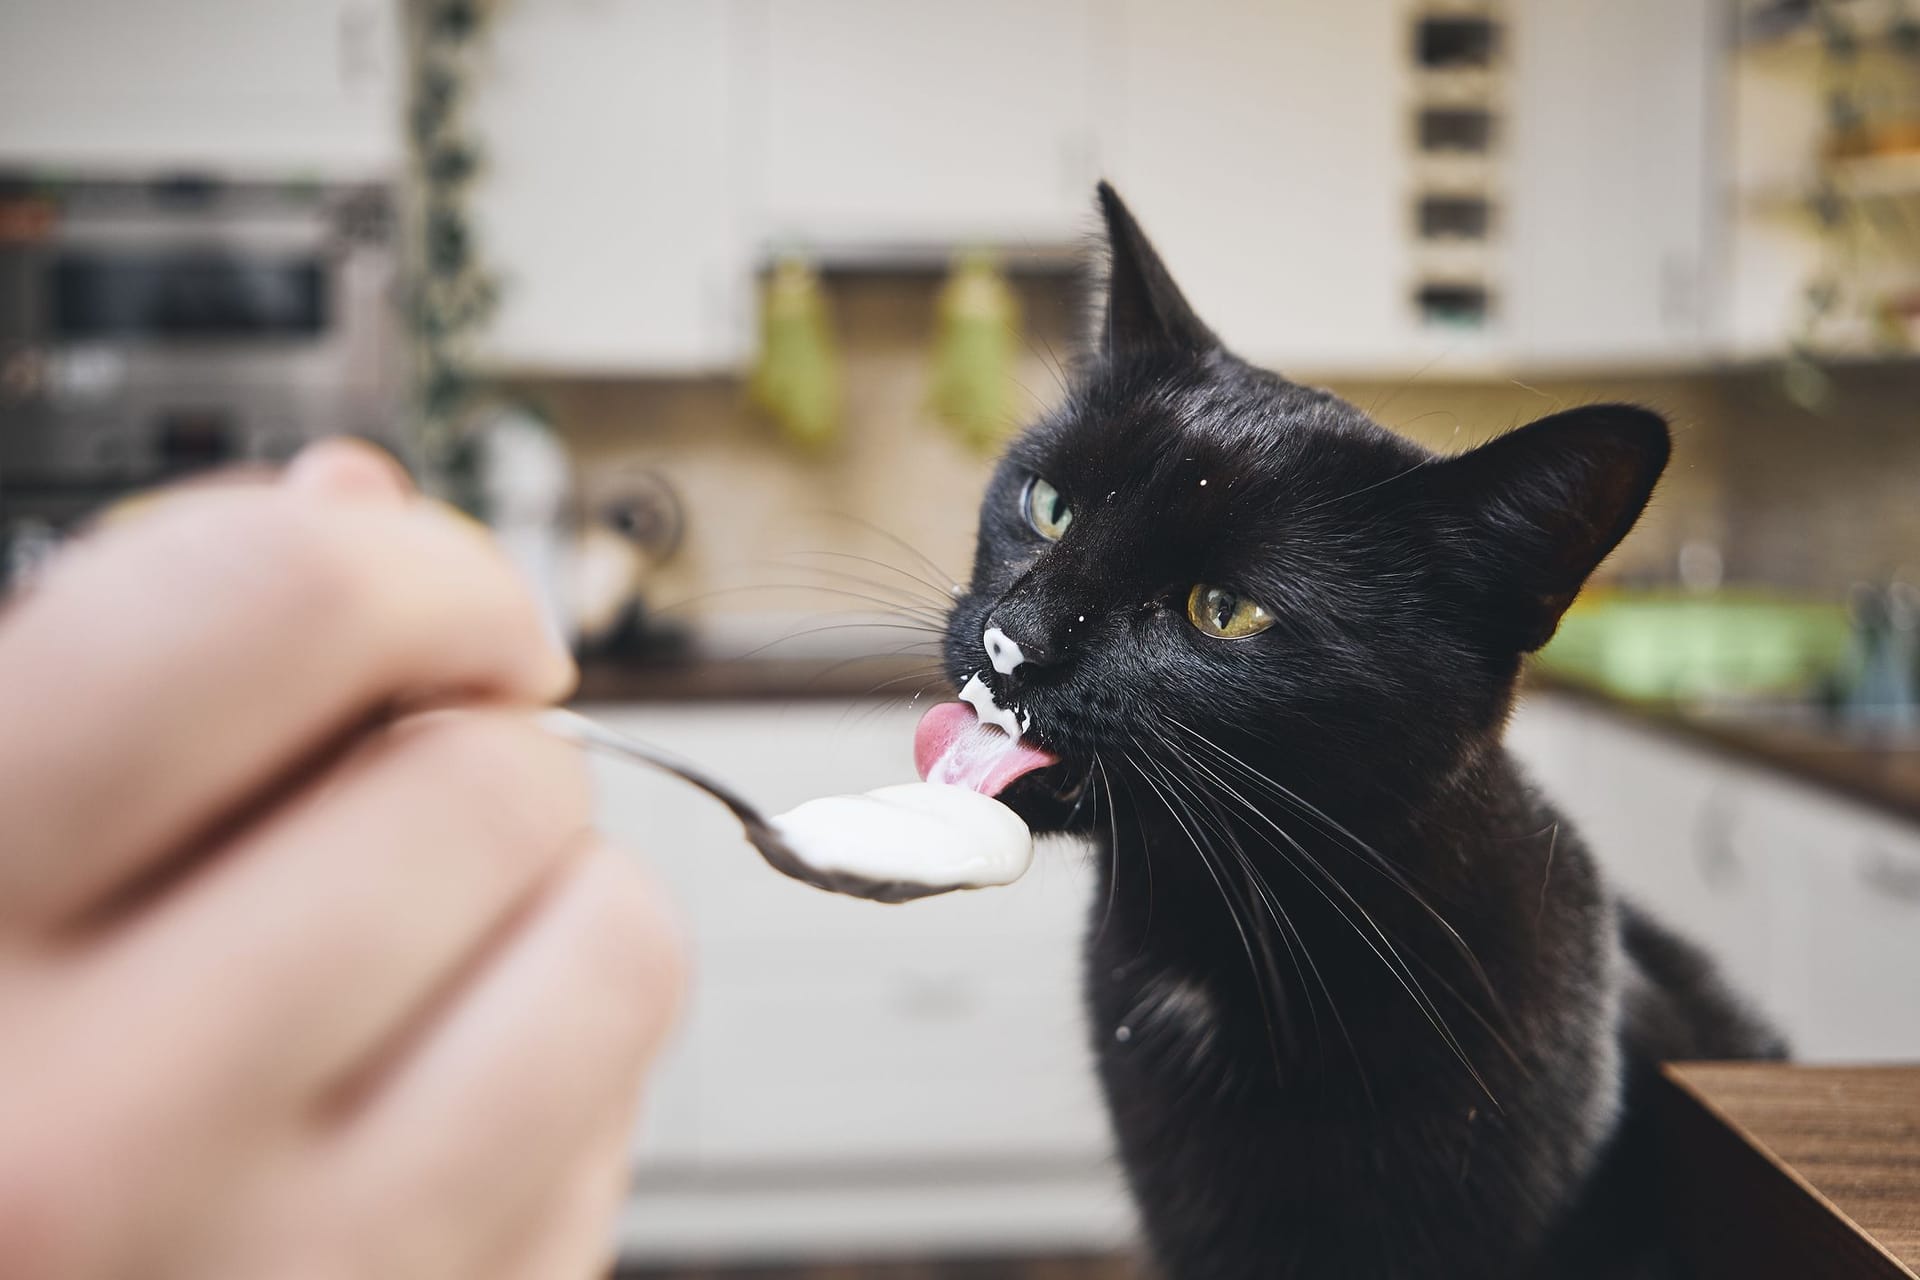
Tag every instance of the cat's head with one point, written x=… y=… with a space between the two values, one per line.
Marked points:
x=1190 y=548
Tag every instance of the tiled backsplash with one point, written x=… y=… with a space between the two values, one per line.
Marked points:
x=1810 y=501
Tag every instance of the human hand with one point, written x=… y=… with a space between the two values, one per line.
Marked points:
x=296 y=980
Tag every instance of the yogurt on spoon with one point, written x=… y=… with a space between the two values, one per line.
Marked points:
x=935 y=836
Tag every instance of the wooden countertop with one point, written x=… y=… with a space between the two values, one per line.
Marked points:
x=1781 y=1170
x=1886 y=778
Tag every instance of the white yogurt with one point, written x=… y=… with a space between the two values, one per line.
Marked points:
x=920 y=833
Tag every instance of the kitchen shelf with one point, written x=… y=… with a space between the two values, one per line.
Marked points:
x=1895 y=176
x=1059 y=260
x=1870 y=22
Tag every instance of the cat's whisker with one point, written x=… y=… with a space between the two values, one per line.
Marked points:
x=805 y=632
x=1113 y=851
x=1263 y=896
x=891 y=608
x=929 y=674
x=1327 y=825
x=898 y=592
x=1051 y=362
x=1360 y=848
x=928 y=562
x=1401 y=970
x=1276 y=908
x=1351 y=494
x=1266 y=996
x=898 y=608
x=1395 y=963
x=1086 y=785
x=932 y=676
x=936 y=592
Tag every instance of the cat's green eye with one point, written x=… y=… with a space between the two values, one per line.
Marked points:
x=1226 y=614
x=1047 y=509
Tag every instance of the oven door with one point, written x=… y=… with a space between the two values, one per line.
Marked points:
x=168 y=339
x=190 y=293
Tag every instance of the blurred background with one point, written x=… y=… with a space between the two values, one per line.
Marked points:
x=719 y=311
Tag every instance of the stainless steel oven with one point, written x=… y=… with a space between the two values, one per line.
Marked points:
x=150 y=328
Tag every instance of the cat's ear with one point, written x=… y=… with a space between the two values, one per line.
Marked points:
x=1144 y=312
x=1546 y=503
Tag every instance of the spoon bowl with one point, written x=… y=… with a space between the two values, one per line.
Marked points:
x=774 y=848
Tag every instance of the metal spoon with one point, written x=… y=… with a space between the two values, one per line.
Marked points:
x=779 y=855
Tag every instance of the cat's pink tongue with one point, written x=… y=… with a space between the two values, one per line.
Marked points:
x=952 y=746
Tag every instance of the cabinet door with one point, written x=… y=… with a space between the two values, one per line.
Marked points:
x=1676 y=830
x=884 y=123
x=1263 y=147
x=606 y=200
x=274 y=88
x=1613 y=171
x=1854 y=917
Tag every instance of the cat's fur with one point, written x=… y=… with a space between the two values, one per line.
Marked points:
x=1363 y=1004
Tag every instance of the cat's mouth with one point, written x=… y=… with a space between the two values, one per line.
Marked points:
x=977 y=744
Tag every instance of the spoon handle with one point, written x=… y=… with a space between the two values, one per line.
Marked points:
x=772 y=847
x=594 y=736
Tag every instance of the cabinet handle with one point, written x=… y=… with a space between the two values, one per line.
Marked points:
x=357 y=39
x=1679 y=290
x=1714 y=853
x=1888 y=874
x=943 y=998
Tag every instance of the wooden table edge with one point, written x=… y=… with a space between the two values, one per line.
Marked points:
x=1673 y=1074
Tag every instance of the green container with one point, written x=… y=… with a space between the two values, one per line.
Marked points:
x=1730 y=644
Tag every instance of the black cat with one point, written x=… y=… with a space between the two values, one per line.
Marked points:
x=1362 y=1001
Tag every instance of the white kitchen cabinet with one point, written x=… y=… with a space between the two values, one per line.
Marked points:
x=607 y=200
x=1851 y=885
x=877 y=125
x=1673 y=827
x=249 y=88
x=837 y=1053
x=1616 y=149
x=1264 y=148
x=1810 y=903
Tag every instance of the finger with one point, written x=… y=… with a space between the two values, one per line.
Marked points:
x=171 y=669
x=349 y=468
x=573 y=1235
x=526 y=1070
x=305 y=947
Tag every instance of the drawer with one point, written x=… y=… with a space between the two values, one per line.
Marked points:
x=911 y=1062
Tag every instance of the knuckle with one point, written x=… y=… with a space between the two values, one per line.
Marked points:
x=313 y=568
x=517 y=778
x=287 y=559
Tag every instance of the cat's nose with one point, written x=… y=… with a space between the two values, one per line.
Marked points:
x=1008 y=655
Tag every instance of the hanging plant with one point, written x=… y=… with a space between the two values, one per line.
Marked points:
x=796 y=379
x=450 y=293
x=973 y=355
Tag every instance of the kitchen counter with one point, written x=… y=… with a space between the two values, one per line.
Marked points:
x=697 y=679
x=1781 y=1170
x=1885 y=777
